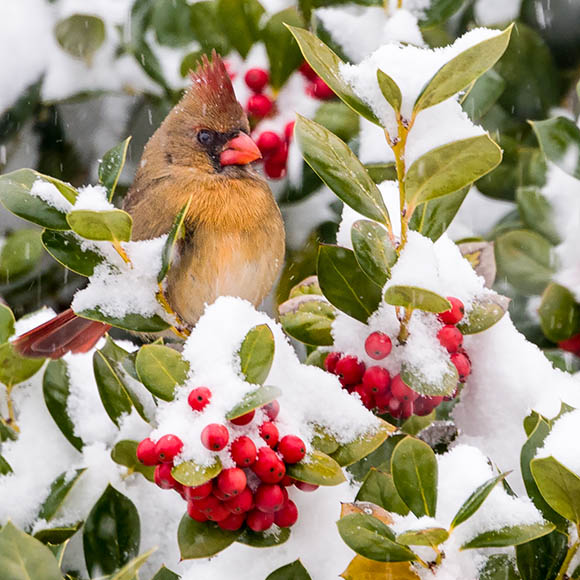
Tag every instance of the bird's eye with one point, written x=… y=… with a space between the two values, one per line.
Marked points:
x=205 y=137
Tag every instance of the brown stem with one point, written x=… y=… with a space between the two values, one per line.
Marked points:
x=404 y=328
x=119 y=249
x=571 y=553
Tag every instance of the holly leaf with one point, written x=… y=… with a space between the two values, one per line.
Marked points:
x=113 y=225
x=68 y=249
x=308 y=318
x=362 y=446
x=484 y=314
x=254 y=400
x=59 y=490
x=190 y=474
x=175 y=234
x=508 y=536
x=257 y=354
x=419 y=298
x=293 y=571
x=125 y=453
x=81 y=35
x=161 y=369
x=111 y=166
x=14 y=368
x=317 y=468
x=559 y=313
x=202 y=539
x=373 y=250
x=6 y=323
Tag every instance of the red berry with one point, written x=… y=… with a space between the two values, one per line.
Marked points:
x=377 y=380
x=146 y=452
x=218 y=513
x=259 y=106
x=406 y=409
x=244 y=419
x=280 y=156
x=163 y=477
x=259 y=521
x=268 y=142
x=365 y=395
x=320 y=90
x=382 y=400
x=269 y=433
x=307 y=71
x=287 y=516
x=289 y=131
x=378 y=345
x=268 y=467
x=330 y=361
x=168 y=447
x=217 y=492
x=292 y=448
x=274 y=170
x=198 y=492
x=450 y=337
x=194 y=513
x=303 y=486
x=232 y=481
x=269 y=498
x=199 y=398
x=243 y=451
x=215 y=436
x=401 y=391
x=462 y=365
x=241 y=503
x=571 y=344
x=350 y=370
x=232 y=522
x=205 y=505
x=271 y=409
x=257 y=79
x=454 y=314
x=394 y=407
x=286 y=481
x=422 y=406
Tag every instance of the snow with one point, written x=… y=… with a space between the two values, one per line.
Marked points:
x=94 y=198
x=565 y=431
x=490 y=12
x=49 y=193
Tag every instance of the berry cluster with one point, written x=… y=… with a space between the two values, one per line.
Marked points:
x=374 y=384
x=254 y=492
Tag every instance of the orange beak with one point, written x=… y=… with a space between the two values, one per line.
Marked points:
x=240 y=150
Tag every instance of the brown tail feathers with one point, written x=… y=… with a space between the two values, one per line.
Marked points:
x=64 y=333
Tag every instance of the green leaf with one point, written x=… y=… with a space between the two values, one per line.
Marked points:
x=373 y=250
x=171 y=22
x=484 y=314
x=379 y=458
x=207 y=28
x=22 y=557
x=339 y=119
x=432 y=218
x=15 y=369
x=559 y=313
x=476 y=499
x=67 y=249
x=15 y=195
x=326 y=64
x=125 y=453
x=508 y=536
x=165 y=574
x=112 y=163
x=161 y=369
x=559 y=486
x=149 y=62
x=560 y=142
x=323 y=440
x=240 y=20
x=372 y=539
x=58 y=492
x=483 y=95
x=133 y=322
x=542 y=559
x=308 y=318
x=264 y=539
x=499 y=567
x=254 y=400
x=462 y=70
x=424 y=537
x=283 y=54
x=81 y=35
x=7 y=433
x=537 y=213
x=5 y=466
x=345 y=284
x=190 y=474
x=175 y=234
x=56 y=390
x=308 y=286
x=413 y=297
x=450 y=167
x=202 y=539
x=390 y=90
x=19 y=254
x=416 y=423
x=439 y=11
x=57 y=535
x=113 y=225
x=293 y=571
x=361 y=447
x=6 y=323
x=414 y=470
x=380 y=172
x=317 y=468
x=336 y=164
x=130 y=570
x=257 y=354
x=415 y=379
x=111 y=533
x=378 y=487
x=525 y=259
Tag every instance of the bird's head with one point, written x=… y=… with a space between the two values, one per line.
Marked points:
x=208 y=129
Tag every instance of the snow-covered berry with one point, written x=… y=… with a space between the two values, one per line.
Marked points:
x=330 y=361
x=199 y=398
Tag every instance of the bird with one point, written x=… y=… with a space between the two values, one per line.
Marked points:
x=234 y=240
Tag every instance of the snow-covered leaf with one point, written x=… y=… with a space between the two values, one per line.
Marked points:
x=190 y=474
x=125 y=453
x=293 y=571
x=537 y=213
x=355 y=450
x=20 y=253
x=502 y=567
x=372 y=539
x=324 y=441
x=264 y=539
x=113 y=225
x=424 y=537
x=14 y=368
x=509 y=536
x=361 y=568
x=345 y=284
x=240 y=20
x=6 y=323
x=4 y=466
x=378 y=487
x=202 y=539
x=540 y=559
x=308 y=286
x=414 y=470
x=559 y=313
x=462 y=70
x=450 y=167
x=419 y=298
x=326 y=65
x=317 y=468
x=336 y=164
x=176 y=233
x=373 y=250
x=390 y=90
x=59 y=489
x=67 y=249
x=308 y=318
x=81 y=35
x=444 y=386
x=129 y=571
x=161 y=369
x=484 y=314
x=22 y=557
x=254 y=400
x=481 y=256
x=133 y=321
x=111 y=166
x=257 y=354
x=58 y=535
x=368 y=508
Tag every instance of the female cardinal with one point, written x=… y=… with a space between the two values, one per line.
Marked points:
x=234 y=235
